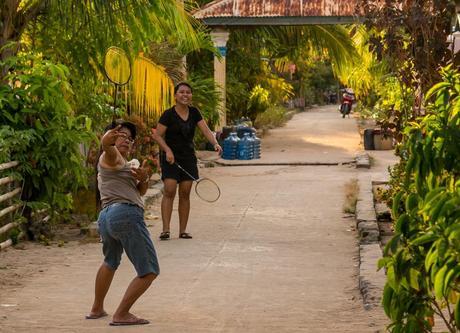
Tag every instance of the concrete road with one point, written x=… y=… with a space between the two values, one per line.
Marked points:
x=274 y=254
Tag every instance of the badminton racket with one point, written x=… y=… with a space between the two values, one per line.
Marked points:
x=206 y=189
x=117 y=68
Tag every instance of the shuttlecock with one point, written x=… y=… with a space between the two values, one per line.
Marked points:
x=134 y=163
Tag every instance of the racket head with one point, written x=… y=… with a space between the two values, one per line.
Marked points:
x=207 y=190
x=117 y=66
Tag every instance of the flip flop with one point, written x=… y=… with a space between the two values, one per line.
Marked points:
x=164 y=235
x=185 y=235
x=96 y=316
x=138 y=321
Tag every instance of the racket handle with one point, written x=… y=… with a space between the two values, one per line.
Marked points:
x=188 y=174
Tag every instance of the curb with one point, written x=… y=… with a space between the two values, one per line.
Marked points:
x=363 y=160
x=154 y=192
x=281 y=163
x=371 y=281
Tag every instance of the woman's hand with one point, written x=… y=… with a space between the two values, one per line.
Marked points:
x=143 y=173
x=111 y=136
x=170 y=156
x=218 y=148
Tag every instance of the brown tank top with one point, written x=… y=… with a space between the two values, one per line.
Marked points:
x=118 y=186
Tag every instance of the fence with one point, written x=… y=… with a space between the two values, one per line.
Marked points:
x=8 y=182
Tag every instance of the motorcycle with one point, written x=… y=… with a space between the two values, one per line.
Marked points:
x=348 y=98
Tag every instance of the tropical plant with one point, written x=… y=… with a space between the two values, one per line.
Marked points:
x=363 y=73
x=272 y=117
x=411 y=36
x=206 y=97
x=77 y=35
x=39 y=129
x=423 y=258
x=259 y=58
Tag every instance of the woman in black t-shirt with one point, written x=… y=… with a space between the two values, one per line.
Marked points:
x=174 y=134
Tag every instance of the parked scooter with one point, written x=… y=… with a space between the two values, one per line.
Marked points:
x=348 y=98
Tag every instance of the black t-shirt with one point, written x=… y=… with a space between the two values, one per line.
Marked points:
x=179 y=133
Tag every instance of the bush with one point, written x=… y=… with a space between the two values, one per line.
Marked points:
x=273 y=117
x=423 y=257
x=40 y=130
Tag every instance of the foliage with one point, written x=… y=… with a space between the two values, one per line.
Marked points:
x=206 y=98
x=423 y=257
x=253 y=64
x=411 y=37
x=259 y=100
x=145 y=148
x=274 y=116
x=77 y=34
x=313 y=78
x=394 y=106
x=364 y=72
x=40 y=131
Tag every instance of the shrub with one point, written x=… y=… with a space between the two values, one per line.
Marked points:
x=40 y=130
x=423 y=257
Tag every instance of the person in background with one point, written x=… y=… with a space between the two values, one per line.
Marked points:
x=174 y=134
x=121 y=223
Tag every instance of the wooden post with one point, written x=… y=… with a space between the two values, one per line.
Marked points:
x=220 y=38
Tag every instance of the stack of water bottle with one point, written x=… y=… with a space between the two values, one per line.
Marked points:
x=245 y=148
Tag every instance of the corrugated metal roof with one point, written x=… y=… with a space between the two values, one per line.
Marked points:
x=276 y=8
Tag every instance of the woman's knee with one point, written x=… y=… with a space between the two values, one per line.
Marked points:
x=184 y=195
x=169 y=192
x=184 y=190
x=149 y=277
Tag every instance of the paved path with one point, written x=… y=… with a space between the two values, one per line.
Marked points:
x=274 y=254
x=317 y=136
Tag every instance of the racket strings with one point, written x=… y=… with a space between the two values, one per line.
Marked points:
x=207 y=190
x=117 y=66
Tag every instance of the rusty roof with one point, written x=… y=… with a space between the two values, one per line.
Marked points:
x=276 y=8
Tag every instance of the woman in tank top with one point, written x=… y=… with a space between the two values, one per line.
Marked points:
x=121 y=224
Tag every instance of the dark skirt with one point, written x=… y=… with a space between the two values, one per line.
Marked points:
x=172 y=171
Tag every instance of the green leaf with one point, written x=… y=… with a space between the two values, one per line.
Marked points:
x=411 y=202
x=439 y=282
x=431 y=257
x=402 y=225
x=396 y=204
x=391 y=279
x=386 y=299
x=427 y=238
x=436 y=88
x=383 y=262
x=413 y=278
x=450 y=275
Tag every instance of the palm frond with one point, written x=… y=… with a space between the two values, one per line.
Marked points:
x=151 y=90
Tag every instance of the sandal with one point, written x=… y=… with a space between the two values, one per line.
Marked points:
x=164 y=235
x=185 y=235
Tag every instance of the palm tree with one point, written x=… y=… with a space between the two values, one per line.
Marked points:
x=95 y=25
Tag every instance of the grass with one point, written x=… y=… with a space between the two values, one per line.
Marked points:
x=351 y=196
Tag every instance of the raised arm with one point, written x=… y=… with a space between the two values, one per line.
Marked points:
x=111 y=157
x=209 y=135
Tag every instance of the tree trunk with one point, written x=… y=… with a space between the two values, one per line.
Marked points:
x=13 y=22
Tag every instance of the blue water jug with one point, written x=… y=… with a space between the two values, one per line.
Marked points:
x=230 y=147
x=256 y=145
x=245 y=148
